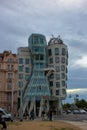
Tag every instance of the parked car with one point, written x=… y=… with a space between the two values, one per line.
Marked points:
x=82 y=111
x=76 y=111
x=5 y=115
x=68 y=111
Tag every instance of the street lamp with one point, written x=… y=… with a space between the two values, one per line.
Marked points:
x=12 y=96
x=21 y=100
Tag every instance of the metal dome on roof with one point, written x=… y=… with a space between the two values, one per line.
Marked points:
x=55 y=40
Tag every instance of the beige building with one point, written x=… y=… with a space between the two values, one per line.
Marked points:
x=24 y=71
x=58 y=59
x=8 y=81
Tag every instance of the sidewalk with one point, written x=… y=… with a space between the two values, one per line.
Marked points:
x=80 y=124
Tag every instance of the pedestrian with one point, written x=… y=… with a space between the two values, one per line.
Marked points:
x=50 y=114
x=42 y=114
x=2 y=122
x=32 y=115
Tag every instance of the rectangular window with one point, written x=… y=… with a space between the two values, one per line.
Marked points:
x=63 y=83
x=41 y=41
x=10 y=75
x=51 y=83
x=63 y=75
x=63 y=51
x=50 y=60
x=37 y=57
x=49 y=52
x=51 y=76
x=57 y=59
x=56 y=51
x=20 y=76
x=57 y=68
x=41 y=57
x=20 y=60
x=20 y=68
x=20 y=84
x=27 y=77
x=57 y=76
x=9 y=85
x=36 y=40
x=57 y=92
x=57 y=84
x=26 y=61
x=63 y=91
x=10 y=60
x=27 y=69
x=41 y=49
x=63 y=60
x=62 y=67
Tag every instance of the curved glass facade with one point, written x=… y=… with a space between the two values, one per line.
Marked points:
x=38 y=85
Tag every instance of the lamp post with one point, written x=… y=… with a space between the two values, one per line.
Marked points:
x=21 y=112
x=21 y=99
x=12 y=100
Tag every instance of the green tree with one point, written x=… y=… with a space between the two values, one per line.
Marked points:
x=81 y=104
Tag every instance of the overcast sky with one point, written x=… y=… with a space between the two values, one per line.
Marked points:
x=67 y=18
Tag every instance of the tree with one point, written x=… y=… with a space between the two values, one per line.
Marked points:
x=81 y=103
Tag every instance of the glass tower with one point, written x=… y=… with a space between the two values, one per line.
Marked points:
x=38 y=86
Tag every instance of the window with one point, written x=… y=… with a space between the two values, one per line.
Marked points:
x=62 y=68
x=63 y=75
x=20 y=60
x=63 y=51
x=63 y=60
x=9 y=96
x=26 y=61
x=50 y=60
x=56 y=51
x=51 y=76
x=57 y=92
x=41 y=65
x=49 y=52
x=63 y=83
x=0 y=66
x=58 y=84
x=10 y=75
x=41 y=57
x=51 y=83
x=41 y=49
x=9 y=85
x=58 y=68
x=41 y=41
x=57 y=76
x=10 y=60
x=1 y=58
x=37 y=57
x=27 y=77
x=20 y=84
x=57 y=59
x=20 y=76
x=36 y=49
x=27 y=69
x=35 y=40
x=20 y=68
x=51 y=92
x=10 y=67
x=64 y=91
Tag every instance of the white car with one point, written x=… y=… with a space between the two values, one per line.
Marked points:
x=82 y=111
x=5 y=115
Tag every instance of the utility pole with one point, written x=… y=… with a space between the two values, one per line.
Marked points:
x=21 y=100
x=12 y=96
